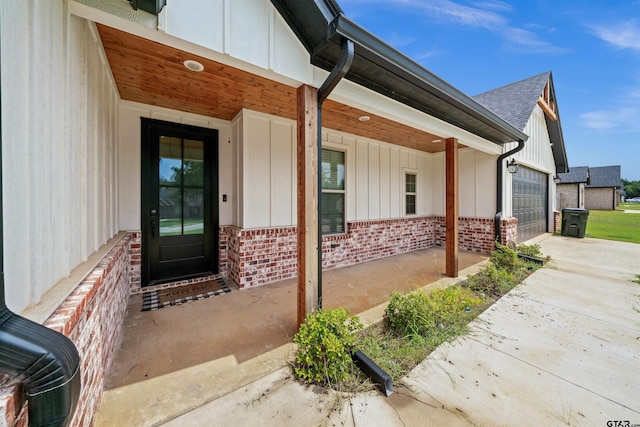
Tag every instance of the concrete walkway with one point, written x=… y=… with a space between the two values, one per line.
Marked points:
x=563 y=348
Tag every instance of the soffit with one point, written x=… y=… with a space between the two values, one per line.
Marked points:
x=152 y=73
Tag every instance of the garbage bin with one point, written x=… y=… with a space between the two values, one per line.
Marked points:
x=574 y=222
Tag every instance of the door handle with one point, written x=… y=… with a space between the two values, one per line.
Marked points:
x=153 y=228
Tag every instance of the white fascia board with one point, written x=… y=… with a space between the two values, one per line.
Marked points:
x=101 y=17
x=354 y=95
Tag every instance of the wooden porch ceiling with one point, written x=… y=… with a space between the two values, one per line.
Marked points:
x=152 y=73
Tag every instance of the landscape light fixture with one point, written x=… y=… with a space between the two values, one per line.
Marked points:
x=512 y=166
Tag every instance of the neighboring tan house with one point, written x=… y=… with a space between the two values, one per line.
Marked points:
x=143 y=149
x=603 y=190
x=571 y=188
x=531 y=106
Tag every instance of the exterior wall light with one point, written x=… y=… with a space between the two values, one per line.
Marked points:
x=556 y=179
x=512 y=166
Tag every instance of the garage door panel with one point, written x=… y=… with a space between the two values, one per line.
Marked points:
x=530 y=189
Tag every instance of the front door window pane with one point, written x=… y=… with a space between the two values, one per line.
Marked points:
x=193 y=211
x=170 y=211
x=181 y=173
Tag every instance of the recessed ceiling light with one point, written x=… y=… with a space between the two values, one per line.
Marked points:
x=435 y=141
x=364 y=118
x=193 y=65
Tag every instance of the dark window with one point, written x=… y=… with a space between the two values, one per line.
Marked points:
x=410 y=193
x=333 y=194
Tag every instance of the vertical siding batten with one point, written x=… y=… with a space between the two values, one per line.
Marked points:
x=59 y=153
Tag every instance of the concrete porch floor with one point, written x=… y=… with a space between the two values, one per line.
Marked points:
x=178 y=358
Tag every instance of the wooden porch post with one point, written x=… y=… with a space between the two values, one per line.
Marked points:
x=307 y=112
x=452 y=207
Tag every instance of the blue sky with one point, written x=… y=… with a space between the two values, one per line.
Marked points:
x=592 y=48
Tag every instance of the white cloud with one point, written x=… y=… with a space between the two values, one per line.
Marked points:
x=483 y=14
x=493 y=4
x=623 y=35
x=396 y=40
x=601 y=120
x=621 y=119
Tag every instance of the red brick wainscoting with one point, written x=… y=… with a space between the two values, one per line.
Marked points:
x=474 y=234
x=91 y=316
x=509 y=231
x=259 y=256
x=557 y=223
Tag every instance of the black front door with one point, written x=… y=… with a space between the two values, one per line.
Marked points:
x=179 y=201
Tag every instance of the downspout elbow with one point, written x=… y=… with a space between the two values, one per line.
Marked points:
x=45 y=362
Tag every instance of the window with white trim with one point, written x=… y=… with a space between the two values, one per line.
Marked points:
x=410 y=193
x=333 y=192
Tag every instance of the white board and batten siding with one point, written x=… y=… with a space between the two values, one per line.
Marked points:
x=251 y=31
x=268 y=177
x=129 y=159
x=536 y=154
x=59 y=146
x=375 y=175
x=476 y=184
x=266 y=155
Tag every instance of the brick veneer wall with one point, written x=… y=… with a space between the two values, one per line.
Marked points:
x=369 y=240
x=260 y=256
x=557 y=223
x=91 y=316
x=567 y=195
x=600 y=198
x=474 y=234
x=509 y=231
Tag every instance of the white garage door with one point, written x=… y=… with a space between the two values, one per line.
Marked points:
x=530 y=189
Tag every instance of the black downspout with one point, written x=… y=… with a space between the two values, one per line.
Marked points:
x=498 y=217
x=338 y=72
x=44 y=361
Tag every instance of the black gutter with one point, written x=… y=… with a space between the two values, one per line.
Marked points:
x=339 y=70
x=320 y=25
x=44 y=361
x=498 y=217
x=378 y=53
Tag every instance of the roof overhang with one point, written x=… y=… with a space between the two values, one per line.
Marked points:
x=555 y=136
x=320 y=25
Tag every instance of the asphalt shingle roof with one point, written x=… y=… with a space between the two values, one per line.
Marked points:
x=575 y=175
x=515 y=102
x=604 y=176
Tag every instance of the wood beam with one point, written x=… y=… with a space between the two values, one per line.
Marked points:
x=452 y=207
x=548 y=110
x=307 y=160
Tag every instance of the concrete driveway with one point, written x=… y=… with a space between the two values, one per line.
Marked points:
x=563 y=348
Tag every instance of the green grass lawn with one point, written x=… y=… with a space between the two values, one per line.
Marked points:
x=614 y=225
x=629 y=206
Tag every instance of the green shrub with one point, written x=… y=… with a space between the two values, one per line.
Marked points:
x=505 y=258
x=421 y=314
x=529 y=250
x=325 y=341
x=491 y=281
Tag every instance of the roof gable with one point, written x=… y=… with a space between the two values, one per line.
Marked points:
x=515 y=103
